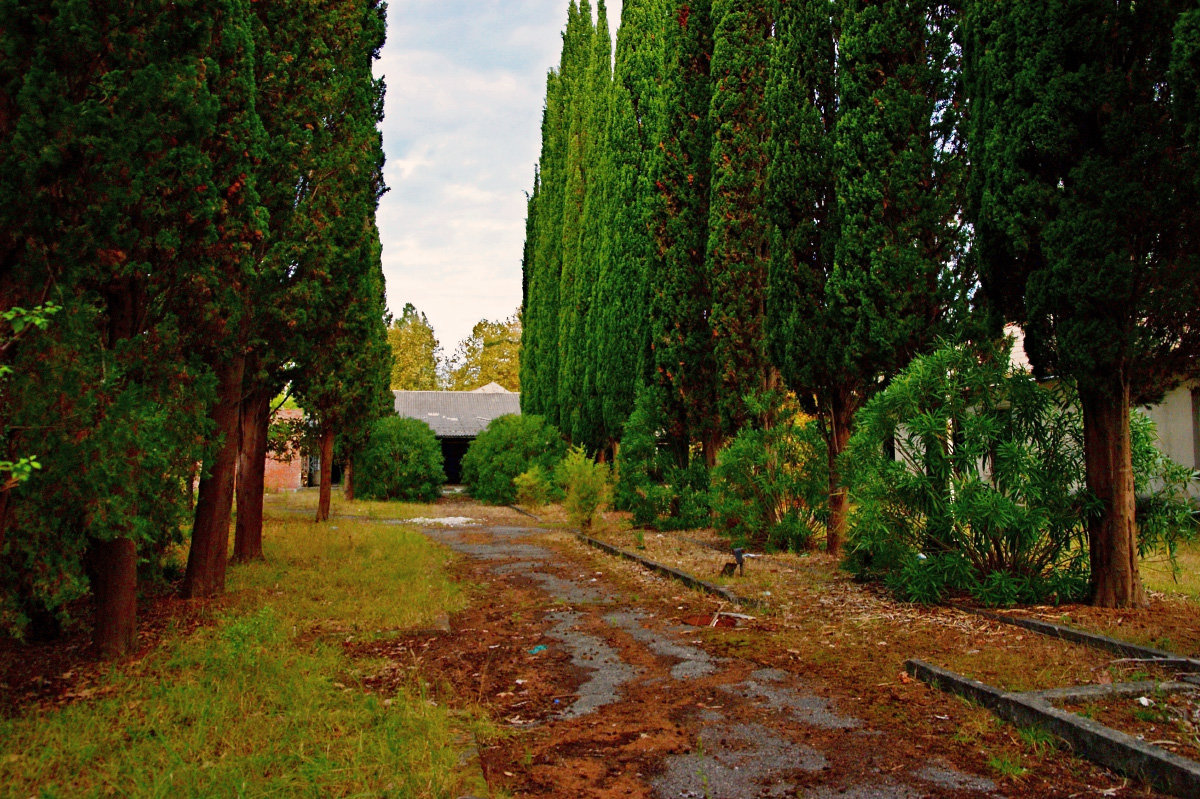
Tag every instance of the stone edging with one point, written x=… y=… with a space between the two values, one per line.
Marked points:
x=1108 y=747
x=1072 y=635
x=675 y=574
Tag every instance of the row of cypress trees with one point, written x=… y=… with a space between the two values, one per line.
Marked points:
x=807 y=193
x=194 y=185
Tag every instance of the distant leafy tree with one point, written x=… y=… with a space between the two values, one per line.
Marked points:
x=491 y=354
x=1086 y=201
x=415 y=352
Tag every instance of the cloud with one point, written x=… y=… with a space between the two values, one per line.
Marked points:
x=465 y=89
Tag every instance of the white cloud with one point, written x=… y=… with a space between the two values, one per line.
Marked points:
x=466 y=82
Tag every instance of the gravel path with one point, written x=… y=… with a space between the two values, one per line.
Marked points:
x=752 y=732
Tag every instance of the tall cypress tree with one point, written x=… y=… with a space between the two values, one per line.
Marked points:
x=539 y=337
x=620 y=349
x=572 y=288
x=1086 y=199
x=738 y=230
x=587 y=421
x=807 y=337
x=128 y=169
x=681 y=299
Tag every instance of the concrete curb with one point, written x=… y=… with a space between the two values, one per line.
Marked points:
x=675 y=574
x=1102 y=745
x=1072 y=635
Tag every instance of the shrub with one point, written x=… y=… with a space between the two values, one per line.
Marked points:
x=510 y=445
x=651 y=483
x=985 y=494
x=533 y=487
x=401 y=460
x=587 y=486
x=770 y=481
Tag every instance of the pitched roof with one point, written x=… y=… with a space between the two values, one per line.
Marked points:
x=456 y=414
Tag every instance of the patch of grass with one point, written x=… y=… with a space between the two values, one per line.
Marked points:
x=1158 y=575
x=1038 y=739
x=1006 y=765
x=265 y=700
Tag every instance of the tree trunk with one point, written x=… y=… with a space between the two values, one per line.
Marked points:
x=838 y=426
x=112 y=566
x=348 y=480
x=1112 y=534
x=251 y=472
x=210 y=531
x=326 y=474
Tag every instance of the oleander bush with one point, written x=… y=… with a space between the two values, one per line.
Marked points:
x=510 y=445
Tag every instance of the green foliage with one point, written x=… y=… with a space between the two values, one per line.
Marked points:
x=491 y=354
x=650 y=482
x=534 y=488
x=415 y=352
x=401 y=460
x=985 y=494
x=586 y=484
x=677 y=213
x=738 y=231
x=769 y=483
x=510 y=445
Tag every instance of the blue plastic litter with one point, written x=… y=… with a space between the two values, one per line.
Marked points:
x=538 y=648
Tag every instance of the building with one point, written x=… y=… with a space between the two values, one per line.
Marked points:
x=457 y=417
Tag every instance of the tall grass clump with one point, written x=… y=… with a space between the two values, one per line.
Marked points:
x=264 y=700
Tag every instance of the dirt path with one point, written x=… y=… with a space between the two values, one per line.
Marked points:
x=608 y=693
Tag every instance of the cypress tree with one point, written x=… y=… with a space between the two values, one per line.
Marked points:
x=1086 y=199
x=738 y=230
x=620 y=349
x=539 y=338
x=127 y=163
x=806 y=336
x=572 y=289
x=681 y=299
x=340 y=375
x=587 y=421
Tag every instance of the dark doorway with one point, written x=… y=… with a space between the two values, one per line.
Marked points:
x=453 y=450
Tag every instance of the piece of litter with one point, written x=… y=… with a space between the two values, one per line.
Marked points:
x=1145 y=701
x=537 y=649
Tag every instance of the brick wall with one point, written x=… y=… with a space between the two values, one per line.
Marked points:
x=284 y=475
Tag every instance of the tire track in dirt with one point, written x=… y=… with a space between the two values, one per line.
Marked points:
x=617 y=701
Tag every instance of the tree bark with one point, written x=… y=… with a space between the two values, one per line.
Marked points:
x=348 y=480
x=326 y=474
x=838 y=425
x=251 y=473
x=112 y=566
x=210 y=531
x=1112 y=534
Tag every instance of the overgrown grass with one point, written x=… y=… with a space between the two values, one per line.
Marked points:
x=264 y=701
x=1159 y=576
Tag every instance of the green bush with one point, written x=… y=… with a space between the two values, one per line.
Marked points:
x=651 y=483
x=401 y=460
x=510 y=445
x=533 y=487
x=587 y=487
x=770 y=482
x=985 y=494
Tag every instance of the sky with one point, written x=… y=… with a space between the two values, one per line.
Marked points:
x=466 y=82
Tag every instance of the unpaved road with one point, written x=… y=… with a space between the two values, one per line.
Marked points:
x=611 y=695
x=602 y=685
